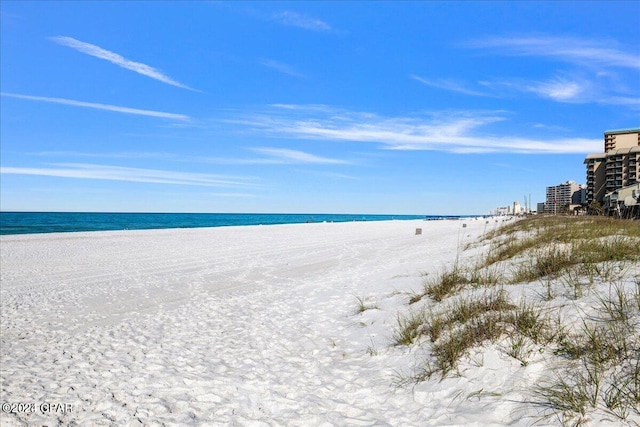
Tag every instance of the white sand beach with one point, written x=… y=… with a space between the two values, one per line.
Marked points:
x=249 y=326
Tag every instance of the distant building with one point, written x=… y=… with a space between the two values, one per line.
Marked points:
x=540 y=208
x=596 y=177
x=617 y=167
x=579 y=197
x=561 y=197
x=517 y=209
x=501 y=211
x=513 y=209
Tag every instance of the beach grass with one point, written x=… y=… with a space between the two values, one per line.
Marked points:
x=585 y=259
x=365 y=304
x=469 y=322
x=604 y=364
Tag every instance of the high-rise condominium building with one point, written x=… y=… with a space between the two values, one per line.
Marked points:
x=617 y=167
x=623 y=138
x=563 y=195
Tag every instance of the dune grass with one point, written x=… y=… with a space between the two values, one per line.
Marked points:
x=365 y=304
x=604 y=364
x=598 y=363
x=544 y=248
x=470 y=321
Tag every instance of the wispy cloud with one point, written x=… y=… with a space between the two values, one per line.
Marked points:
x=275 y=156
x=282 y=68
x=295 y=156
x=452 y=131
x=567 y=89
x=449 y=85
x=119 y=60
x=295 y=19
x=551 y=128
x=119 y=173
x=559 y=90
x=105 y=155
x=622 y=100
x=563 y=48
x=114 y=108
x=599 y=71
x=270 y=156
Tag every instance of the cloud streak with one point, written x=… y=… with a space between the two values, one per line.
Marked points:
x=109 y=155
x=284 y=155
x=119 y=173
x=559 y=90
x=563 y=48
x=448 y=85
x=282 y=68
x=119 y=60
x=457 y=132
x=601 y=58
x=294 y=19
x=571 y=89
x=96 y=106
x=272 y=156
x=276 y=156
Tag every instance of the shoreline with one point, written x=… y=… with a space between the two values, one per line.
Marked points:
x=53 y=235
x=51 y=222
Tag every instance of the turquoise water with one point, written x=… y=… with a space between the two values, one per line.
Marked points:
x=56 y=222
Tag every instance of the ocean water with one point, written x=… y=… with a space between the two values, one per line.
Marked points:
x=56 y=222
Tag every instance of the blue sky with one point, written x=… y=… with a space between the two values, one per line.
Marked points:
x=303 y=107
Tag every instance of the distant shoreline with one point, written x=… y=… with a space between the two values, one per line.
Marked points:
x=12 y=223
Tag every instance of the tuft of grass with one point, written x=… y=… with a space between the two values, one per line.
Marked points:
x=485 y=277
x=569 y=397
x=415 y=297
x=446 y=283
x=449 y=282
x=500 y=318
x=509 y=249
x=469 y=322
x=449 y=350
x=531 y=321
x=544 y=263
x=605 y=368
x=575 y=281
x=463 y=311
x=622 y=397
x=364 y=305
x=619 y=305
x=372 y=350
x=409 y=328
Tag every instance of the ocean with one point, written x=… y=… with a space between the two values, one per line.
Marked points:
x=58 y=222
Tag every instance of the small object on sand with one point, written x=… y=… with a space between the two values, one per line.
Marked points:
x=418 y=231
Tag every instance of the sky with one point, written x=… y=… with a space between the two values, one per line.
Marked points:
x=434 y=108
